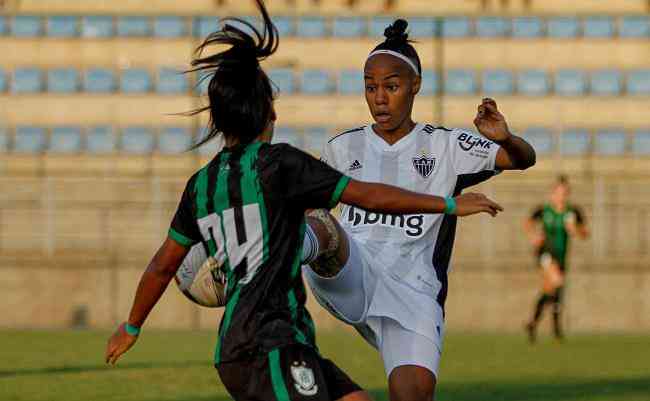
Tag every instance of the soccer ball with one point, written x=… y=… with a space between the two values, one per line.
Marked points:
x=201 y=279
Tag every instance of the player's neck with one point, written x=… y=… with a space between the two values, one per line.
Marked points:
x=392 y=136
x=558 y=206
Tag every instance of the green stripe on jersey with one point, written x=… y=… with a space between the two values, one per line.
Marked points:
x=180 y=238
x=338 y=191
x=293 y=302
x=279 y=388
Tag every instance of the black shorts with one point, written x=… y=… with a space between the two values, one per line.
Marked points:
x=290 y=373
x=544 y=257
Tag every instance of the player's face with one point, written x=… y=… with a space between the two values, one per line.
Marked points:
x=391 y=86
x=561 y=193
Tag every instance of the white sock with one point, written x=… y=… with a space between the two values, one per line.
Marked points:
x=310 y=246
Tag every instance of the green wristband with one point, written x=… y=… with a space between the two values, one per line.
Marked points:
x=450 y=205
x=132 y=330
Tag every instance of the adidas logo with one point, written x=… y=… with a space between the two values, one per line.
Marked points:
x=355 y=166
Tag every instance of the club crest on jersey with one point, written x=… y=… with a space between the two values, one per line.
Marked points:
x=424 y=165
x=305 y=382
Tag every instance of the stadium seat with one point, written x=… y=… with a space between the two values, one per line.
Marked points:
x=638 y=82
x=460 y=82
x=540 y=139
x=171 y=81
x=606 y=82
x=497 y=82
x=288 y=135
x=27 y=80
x=351 y=82
x=634 y=27
x=202 y=82
x=135 y=80
x=641 y=143
x=283 y=79
x=3 y=81
x=4 y=140
x=62 y=80
x=133 y=26
x=532 y=83
x=311 y=27
x=315 y=138
x=65 y=139
x=174 y=140
x=285 y=25
x=598 y=27
x=430 y=83
x=563 y=27
x=100 y=140
x=315 y=82
x=169 y=26
x=137 y=140
x=26 y=26
x=574 y=142
x=570 y=83
x=203 y=26
x=3 y=25
x=97 y=26
x=422 y=28
x=456 y=27
x=492 y=27
x=610 y=143
x=349 y=27
x=378 y=25
x=527 y=27
x=29 y=139
x=99 y=80
x=256 y=22
x=62 y=26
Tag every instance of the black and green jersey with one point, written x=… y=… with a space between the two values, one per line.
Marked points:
x=556 y=236
x=247 y=208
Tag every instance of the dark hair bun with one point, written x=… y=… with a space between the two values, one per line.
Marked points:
x=397 y=31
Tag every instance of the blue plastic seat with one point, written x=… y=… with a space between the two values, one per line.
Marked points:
x=62 y=80
x=100 y=139
x=349 y=27
x=492 y=27
x=527 y=27
x=351 y=82
x=430 y=83
x=563 y=27
x=641 y=143
x=570 y=83
x=532 y=83
x=62 y=26
x=422 y=27
x=3 y=81
x=285 y=25
x=311 y=27
x=27 y=80
x=133 y=26
x=99 y=80
x=255 y=21
x=65 y=139
x=283 y=78
x=97 y=26
x=540 y=139
x=456 y=27
x=460 y=82
x=26 y=26
x=638 y=82
x=610 y=143
x=169 y=26
x=315 y=138
x=137 y=140
x=202 y=82
x=634 y=27
x=315 y=82
x=172 y=81
x=135 y=80
x=4 y=140
x=29 y=139
x=574 y=142
x=174 y=140
x=378 y=25
x=288 y=135
x=3 y=25
x=203 y=26
x=497 y=82
x=606 y=82
x=598 y=27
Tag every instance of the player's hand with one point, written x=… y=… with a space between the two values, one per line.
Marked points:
x=537 y=240
x=490 y=122
x=119 y=343
x=473 y=203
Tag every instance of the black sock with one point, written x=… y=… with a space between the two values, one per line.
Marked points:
x=543 y=299
x=557 y=312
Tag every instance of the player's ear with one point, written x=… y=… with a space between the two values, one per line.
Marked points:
x=417 y=83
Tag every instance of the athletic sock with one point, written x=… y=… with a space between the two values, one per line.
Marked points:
x=539 y=307
x=310 y=246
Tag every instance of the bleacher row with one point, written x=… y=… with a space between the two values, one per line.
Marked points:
x=106 y=26
x=142 y=140
x=346 y=82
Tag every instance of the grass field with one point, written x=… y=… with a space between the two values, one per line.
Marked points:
x=176 y=366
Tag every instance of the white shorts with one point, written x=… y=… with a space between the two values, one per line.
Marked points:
x=359 y=295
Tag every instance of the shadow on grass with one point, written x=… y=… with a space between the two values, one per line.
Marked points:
x=97 y=368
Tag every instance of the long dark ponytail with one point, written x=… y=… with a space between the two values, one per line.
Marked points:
x=240 y=92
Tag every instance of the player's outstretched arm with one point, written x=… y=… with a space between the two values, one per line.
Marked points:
x=153 y=283
x=384 y=198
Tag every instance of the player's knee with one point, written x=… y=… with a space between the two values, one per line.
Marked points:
x=333 y=243
x=411 y=383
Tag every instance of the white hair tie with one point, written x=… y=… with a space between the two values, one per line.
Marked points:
x=398 y=55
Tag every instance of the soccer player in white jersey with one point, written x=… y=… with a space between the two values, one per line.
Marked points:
x=392 y=283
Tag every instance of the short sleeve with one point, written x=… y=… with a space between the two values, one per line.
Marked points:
x=580 y=217
x=327 y=155
x=537 y=213
x=472 y=153
x=184 y=228
x=310 y=182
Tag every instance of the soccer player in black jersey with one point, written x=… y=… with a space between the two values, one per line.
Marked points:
x=549 y=228
x=247 y=207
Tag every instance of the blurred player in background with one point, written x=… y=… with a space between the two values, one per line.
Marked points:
x=549 y=228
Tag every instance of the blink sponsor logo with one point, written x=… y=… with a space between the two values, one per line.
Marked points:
x=468 y=142
x=412 y=225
